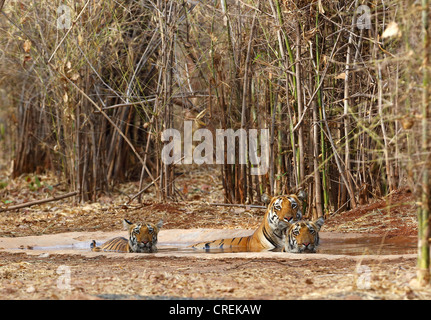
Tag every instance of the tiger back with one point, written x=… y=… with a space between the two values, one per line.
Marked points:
x=118 y=244
x=303 y=236
x=270 y=233
x=142 y=239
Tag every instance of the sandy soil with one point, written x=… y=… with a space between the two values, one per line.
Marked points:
x=73 y=276
x=78 y=274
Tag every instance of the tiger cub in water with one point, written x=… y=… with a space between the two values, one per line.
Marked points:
x=142 y=238
x=303 y=236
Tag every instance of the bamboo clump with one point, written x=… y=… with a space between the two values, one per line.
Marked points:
x=91 y=101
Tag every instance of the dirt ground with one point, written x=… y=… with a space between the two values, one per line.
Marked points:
x=33 y=275
x=76 y=277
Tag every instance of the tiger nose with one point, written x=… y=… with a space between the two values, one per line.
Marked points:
x=145 y=241
x=306 y=243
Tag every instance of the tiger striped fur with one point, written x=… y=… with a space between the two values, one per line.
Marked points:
x=142 y=238
x=303 y=236
x=270 y=234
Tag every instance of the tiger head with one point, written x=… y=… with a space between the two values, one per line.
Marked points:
x=283 y=210
x=142 y=236
x=303 y=236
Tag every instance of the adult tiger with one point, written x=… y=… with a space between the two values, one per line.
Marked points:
x=303 y=236
x=142 y=238
x=270 y=234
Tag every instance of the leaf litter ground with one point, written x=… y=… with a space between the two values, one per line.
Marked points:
x=24 y=276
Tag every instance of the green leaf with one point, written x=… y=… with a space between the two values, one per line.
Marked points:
x=36 y=179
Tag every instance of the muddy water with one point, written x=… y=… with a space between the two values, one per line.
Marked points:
x=369 y=246
x=350 y=246
x=177 y=241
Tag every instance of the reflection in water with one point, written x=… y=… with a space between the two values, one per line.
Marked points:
x=192 y=250
x=369 y=246
x=348 y=246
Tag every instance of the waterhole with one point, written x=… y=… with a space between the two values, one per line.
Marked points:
x=178 y=241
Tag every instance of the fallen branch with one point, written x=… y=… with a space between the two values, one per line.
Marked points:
x=32 y=203
x=247 y=206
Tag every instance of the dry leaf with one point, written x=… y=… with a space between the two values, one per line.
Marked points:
x=65 y=97
x=185 y=189
x=27 y=46
x=74 y=77
x=407 y=123
x=391 y=30
x=341 y=76
x=26 y=58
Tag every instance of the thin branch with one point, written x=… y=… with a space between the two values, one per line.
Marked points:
x=68 y=31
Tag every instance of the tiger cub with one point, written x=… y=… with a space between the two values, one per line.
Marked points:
x=303 y=236
x=142 y=238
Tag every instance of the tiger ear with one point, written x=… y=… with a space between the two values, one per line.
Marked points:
x=159 y=224
x=319 y=222
x=271 y=203
x=302 y=195
x=126 y=224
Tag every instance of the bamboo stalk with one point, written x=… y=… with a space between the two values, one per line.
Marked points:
x=317 y=181
x=424 y=225
x=325 y=190
x=346 y=111
x=300 y=101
